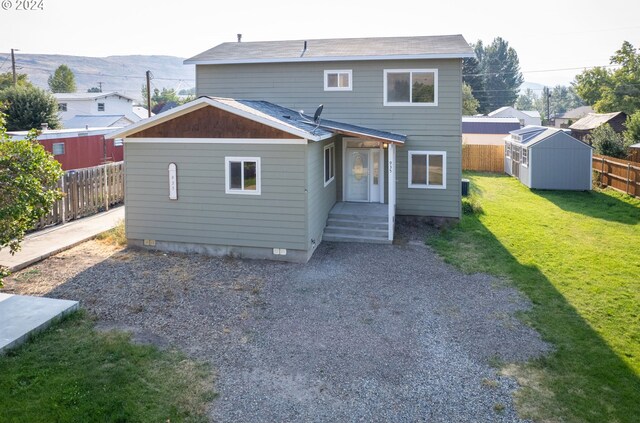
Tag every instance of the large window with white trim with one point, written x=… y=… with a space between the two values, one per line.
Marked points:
x=411 y=87
x=338 y=80
x=427 y=169
x=242 y=175
x=329 y=164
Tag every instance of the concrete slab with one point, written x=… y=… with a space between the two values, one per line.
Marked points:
x=22 y=316
x=42 y=244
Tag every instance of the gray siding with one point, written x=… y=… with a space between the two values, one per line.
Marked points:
x=320 y=199
x=561 y=162
x=300 y=86
x=203 y=213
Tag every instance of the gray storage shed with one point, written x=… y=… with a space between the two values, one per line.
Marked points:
x=548 y=158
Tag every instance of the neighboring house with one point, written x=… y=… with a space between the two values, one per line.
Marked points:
x=141 y=112
x=255 y=177
x=78 y=148
x=71 y=105
x=93 y=121
x=548 y=158
x=483 y=130
x=566 y=119
x=526 y=117
x=584 y=126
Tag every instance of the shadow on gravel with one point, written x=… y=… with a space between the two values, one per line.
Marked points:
x=583 y=380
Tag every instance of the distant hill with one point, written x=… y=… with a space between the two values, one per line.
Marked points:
x=537 y=88
x=125 y=74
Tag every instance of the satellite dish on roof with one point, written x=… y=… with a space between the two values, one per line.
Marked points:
x=316 y=115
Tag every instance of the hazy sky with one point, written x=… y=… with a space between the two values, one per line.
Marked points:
x=548 y=35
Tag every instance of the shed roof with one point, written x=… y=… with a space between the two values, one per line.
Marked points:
x=336 y=49
x=593 y=120
x=270 y=114
x=531 y=135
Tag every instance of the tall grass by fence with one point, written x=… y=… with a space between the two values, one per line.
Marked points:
x=86 y=192
x=621 y=175
x=485 y=158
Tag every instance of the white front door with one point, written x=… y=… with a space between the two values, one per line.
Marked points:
x=357 y=174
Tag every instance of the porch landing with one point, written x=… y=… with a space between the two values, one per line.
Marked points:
x=358 y=222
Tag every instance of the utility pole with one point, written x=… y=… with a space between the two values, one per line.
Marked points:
x=13 y=66
x=547 y=94
x=149 y=93
x=100 y=85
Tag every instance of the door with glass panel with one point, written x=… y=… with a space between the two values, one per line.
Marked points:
x=357 y=174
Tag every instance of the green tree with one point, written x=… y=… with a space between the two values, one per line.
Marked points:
x=6 y=80
x=160 y=99
x=94 y=90
x=632 y=134
x=28 y=108
x=469 y=103
x=28 y=188
x=564 y=98
x=613 y=90
x=529 y=100
x=63 y=80
x=498 y=67
x=607 y=142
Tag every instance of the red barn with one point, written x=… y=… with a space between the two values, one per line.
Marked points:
x=78 y=148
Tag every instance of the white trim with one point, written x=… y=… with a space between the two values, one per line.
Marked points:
x=212 y=101
x=591 y=170
x=409 y=103
x=524 y=148
x=427 y=153
x=227 y=176
x=332 y=163
x=338 y=72
x=256 y=141
x=195 y=61
x=392 y=189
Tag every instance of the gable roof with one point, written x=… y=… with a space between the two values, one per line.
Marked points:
x=531 y=135
x=336 y=49
x=532 y=113
x=593 y=120
x=94 y=121
x=513 y=112
x=269 y=114
x=88 y=96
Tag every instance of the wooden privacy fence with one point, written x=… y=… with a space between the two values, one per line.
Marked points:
x=621 y=175
x=486 y=158
x=87 y=191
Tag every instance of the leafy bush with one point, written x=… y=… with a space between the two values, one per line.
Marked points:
x=607 y=142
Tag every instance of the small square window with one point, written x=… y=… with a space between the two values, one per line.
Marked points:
x=101 y=107
x=58 y=149
x=417 y=87
x=337 y=80
x=242 y=175
x=62 y=107
x=329 y=164
x=427 y=169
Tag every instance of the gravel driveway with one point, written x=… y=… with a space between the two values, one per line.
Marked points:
x=360 y=333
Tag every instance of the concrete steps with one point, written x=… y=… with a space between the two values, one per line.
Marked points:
x=343 y=227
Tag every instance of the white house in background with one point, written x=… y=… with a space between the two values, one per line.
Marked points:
x=75 y=105
x=526 y=117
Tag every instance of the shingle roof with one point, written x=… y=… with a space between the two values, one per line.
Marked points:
x=93 y=121
x=576 y=113
x=593 y=120
x=440 y=46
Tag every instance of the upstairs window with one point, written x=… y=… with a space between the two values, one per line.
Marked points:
x=62 y=107
x=428 y=169
x=242 y=175
x=337 y=80
x=416 y=87
x=101 y=107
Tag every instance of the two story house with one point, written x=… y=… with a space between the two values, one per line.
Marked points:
x=110 y=109
x=256 y=167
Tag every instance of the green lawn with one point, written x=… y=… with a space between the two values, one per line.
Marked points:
x=71 y=373
x=576 y=255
